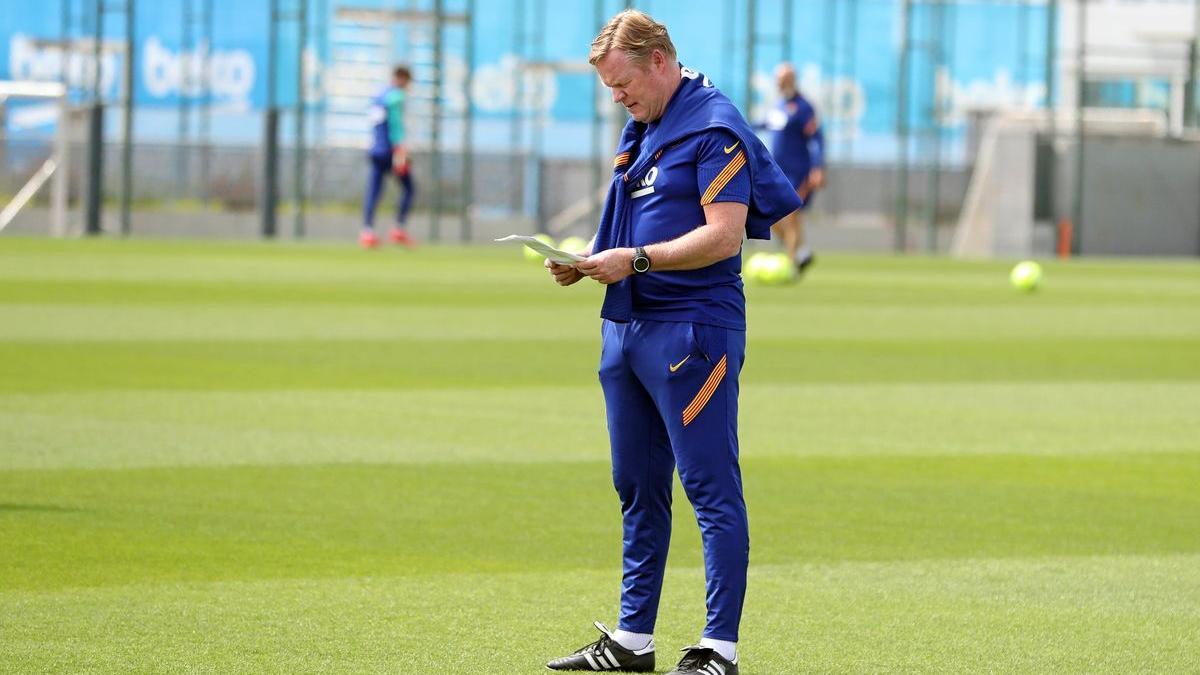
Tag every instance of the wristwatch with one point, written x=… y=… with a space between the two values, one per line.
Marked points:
x=641 y=262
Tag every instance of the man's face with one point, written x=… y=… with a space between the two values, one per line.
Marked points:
x=785 y=79
x=643 y=90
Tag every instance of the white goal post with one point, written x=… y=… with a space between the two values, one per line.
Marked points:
x=55 y=168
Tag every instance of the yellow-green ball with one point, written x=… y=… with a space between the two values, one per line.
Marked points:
x=769 y=269
x=1026 y=276
x=779 y=270
x=532 y=255
x=573 y=244
x=753 y=268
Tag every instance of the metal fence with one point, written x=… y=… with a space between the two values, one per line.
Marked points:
x=508 y=123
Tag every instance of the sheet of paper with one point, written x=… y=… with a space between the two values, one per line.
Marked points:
x=555 y=255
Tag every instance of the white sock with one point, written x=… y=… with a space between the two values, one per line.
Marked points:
x=725 y=648
x=640 y=643
x=804 y=253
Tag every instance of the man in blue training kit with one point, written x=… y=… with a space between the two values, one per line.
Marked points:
x=388 y=155
x=799 y=148
x=690 y=180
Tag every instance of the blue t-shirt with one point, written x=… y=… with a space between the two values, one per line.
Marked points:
x=797 y=142
x=667 y=203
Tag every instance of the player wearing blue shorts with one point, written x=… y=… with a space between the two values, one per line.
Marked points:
x=690 y=180
x=798 y=146
x=388 y=156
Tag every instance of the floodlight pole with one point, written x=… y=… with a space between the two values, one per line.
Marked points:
x=516 y=113
x=298 y=156
x=435 y=140
x=1051 y=106
x=537 y=137
x=1080 y=136
x=186 y=53
x=319 y=109
x=468 y=122
x=95 y=175
x=127 y=123
x=939 y=32
x=901 y=227
x=206 y=117
x=63 y=133
x=269 y=190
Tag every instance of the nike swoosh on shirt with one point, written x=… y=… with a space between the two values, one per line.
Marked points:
x=730 y=148
x=680 y=364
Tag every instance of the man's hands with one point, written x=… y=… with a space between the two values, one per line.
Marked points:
x=607 y=267
x=564 y=275
x=814 y=182
x=399 y=159
x=816 y=179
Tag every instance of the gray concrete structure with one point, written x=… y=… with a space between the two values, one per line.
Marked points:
x=1141 y=197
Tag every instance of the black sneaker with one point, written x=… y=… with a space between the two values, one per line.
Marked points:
x=802 y=265
x=606 y=654
x=705 y=661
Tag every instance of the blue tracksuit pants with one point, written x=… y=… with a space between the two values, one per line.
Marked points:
x=671 y=394
x=381 y=167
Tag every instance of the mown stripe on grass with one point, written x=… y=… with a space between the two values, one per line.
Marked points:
x=34 y=366
x=1117 y=614
x=87 y=528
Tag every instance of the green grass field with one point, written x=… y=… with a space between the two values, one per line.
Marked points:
x=298 y=458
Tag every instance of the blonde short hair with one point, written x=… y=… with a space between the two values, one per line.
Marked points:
x=634 y=33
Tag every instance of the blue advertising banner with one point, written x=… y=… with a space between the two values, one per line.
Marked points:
x=846 y=54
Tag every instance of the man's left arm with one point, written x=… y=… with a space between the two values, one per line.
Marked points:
x=720 y=237
x=717 y=239
x=722 y=174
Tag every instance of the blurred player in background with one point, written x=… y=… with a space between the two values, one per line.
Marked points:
x=389 y=156
x=799 y=149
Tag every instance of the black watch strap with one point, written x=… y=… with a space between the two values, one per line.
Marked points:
x=641 y=261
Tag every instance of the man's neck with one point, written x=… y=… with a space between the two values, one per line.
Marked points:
x=677 y=82
x=670 y=97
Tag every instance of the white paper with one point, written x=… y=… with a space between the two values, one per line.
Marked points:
x=555 y=255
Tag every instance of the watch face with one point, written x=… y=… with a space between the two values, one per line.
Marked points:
x=641 y=263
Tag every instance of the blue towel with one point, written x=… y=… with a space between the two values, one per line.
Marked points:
x=697 y=106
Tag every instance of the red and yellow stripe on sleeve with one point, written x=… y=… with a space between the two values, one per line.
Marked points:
x=620 y=160
x=723 y=178
x=705 y=393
